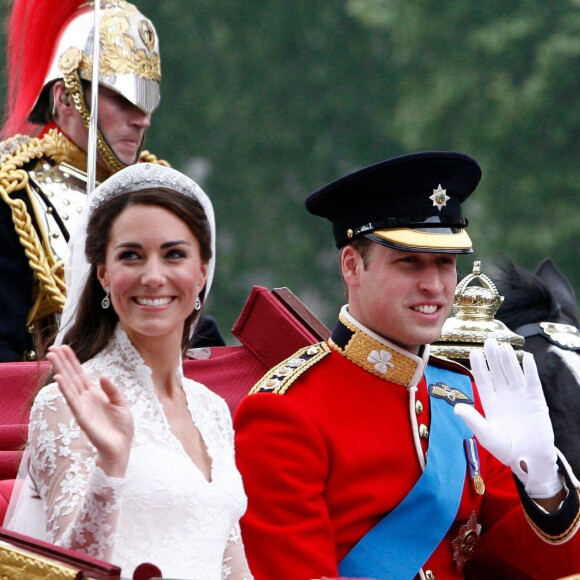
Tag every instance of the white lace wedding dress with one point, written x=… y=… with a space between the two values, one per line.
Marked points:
x=164 y=511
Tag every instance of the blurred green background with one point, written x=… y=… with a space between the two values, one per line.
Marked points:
x=265 y=101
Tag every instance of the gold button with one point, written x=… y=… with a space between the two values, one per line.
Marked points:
x=423 y=431
x=418 y=407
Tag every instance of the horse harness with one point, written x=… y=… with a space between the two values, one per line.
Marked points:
x=565 y=336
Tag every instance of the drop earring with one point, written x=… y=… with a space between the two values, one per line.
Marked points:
x=197 y=300
x=106 y=301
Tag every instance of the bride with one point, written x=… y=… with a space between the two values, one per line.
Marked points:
x=128 y=460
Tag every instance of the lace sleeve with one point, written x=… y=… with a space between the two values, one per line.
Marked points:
x=81 y=503
x=235 y=566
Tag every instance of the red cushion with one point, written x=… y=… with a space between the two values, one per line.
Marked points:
x=271 y=329
x=6 y=486
x=19 y=382
x=230 y=372
x=9 y=462
x=13 y=437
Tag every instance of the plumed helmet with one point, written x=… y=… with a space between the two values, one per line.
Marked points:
x=53 y=39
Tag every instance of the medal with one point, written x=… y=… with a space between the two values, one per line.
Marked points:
x=479 y=484
x=473 y=462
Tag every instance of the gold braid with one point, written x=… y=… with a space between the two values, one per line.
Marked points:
x=46 y=268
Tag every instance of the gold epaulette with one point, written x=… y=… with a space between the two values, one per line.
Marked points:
x=279 y=379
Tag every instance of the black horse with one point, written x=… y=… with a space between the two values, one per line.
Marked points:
x=542 y=308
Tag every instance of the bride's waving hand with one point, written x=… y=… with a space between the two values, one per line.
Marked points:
x=101 y=410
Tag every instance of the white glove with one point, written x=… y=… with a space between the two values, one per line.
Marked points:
x=517 y=428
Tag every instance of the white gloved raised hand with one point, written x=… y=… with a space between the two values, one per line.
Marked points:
x=517 y=427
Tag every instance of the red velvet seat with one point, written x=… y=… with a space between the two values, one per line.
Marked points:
x=18 y=382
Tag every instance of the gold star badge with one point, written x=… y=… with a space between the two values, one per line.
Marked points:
x=439 y=197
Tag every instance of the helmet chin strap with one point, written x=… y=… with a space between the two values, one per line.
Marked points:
x=114 y=161
x=73 y=83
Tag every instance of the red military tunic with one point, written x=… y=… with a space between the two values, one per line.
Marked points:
x=328 y=447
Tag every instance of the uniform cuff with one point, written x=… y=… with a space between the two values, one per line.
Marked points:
x=560 y=526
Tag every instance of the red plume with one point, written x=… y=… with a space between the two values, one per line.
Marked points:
x=33 y=32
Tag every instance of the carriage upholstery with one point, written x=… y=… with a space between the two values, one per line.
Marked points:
x=271 y=327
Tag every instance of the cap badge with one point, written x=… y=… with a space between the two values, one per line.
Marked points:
x=439 y=197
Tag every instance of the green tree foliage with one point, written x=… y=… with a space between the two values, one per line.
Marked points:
x=263 y=102
x=500 y=80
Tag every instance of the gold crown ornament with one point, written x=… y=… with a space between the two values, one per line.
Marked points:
x=474 y=307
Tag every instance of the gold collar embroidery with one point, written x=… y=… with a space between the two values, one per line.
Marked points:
x=373 y=356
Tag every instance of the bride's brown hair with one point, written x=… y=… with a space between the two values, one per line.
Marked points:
x=94 y=326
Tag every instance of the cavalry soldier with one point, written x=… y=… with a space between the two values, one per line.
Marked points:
x=364 y=456
x=43 y=161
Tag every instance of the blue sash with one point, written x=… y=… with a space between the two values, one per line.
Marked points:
x=398 y=546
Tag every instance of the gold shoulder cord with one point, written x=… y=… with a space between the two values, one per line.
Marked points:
x=48 y=271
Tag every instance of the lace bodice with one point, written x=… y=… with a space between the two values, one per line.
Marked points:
x=164 y=511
